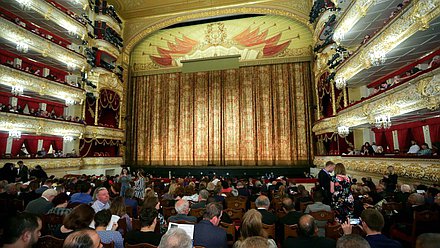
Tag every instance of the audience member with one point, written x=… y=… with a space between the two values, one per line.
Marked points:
x=292 y=216
x=21 y=230
x=203 y=198
x=428 y=240
x=206 y=232
x=176 y=238
x=340 y=187
x=22 y=172
x=262 y=203
x=80 y=218
x=102 y=199
x=148 y=219
x=390 y=180
x=372 y=223
x=102 y=220
x=153 y=202
x=307 y=237
x=47 y=185
x=325 y=178
x=352 y=241
x=119 y=211
x=414 y=148
x=425 y=150
x=318 y=206
x=42 y=204
x=130 y=201
x=182 y=209
x=84 y=195
x=83 y=239
x=252 y=226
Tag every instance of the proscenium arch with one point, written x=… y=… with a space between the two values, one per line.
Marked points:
x=213 y=13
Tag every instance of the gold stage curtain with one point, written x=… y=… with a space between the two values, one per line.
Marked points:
x=256 y=115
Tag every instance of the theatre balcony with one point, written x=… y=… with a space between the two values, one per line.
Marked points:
x=49 y=16
x=106 y=14
x=38 y=48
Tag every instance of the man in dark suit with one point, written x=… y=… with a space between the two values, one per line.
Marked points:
x=203 y=198
x=262 y=203
x=42 y=204
x=307 y=238
x=22 y=172
x=182 y=209
x=47 y=184
x=324 y=178
x=292 y=216
x=207 y=233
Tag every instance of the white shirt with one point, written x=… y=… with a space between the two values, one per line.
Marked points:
x=414 y=149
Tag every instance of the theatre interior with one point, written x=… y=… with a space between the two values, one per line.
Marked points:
x=191 y=90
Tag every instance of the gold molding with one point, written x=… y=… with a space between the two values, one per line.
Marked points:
x=108 y=161
x=414 y=168
x=422 y=92
x=110 y=22
x=15 y=33
x=106 y=46
x=42 y=86
x=68 y=163
x=416 y=17
x=96 y=132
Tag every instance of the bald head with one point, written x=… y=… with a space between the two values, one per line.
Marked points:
x=85 y=239
x=262 y=202
x=306 y=226
x=50 y=194
x=288 y=205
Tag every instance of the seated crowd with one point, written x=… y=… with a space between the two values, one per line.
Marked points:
x=378 y=150
x=129 y=209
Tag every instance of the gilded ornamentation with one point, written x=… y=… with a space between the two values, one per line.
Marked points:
x=103 y=133
x=414 y=18
x=108 y=161
x=68 y=163
x=109 y=21
x=11 y=77
x=420 y=93
x=107 y=47
x=414 y=168
x=13 y=33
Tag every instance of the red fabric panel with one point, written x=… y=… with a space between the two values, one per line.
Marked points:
x=46 y=144
x=417 y=135
x=58 y=143
x=434 y=131
x=389 y=140
x=3 y=142
x=31 y=144
x=380 y=138
x=404 y=138
x=16 y=146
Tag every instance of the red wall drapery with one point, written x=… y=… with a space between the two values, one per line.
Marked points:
x=16 y=146
x=434 y=131
x=417 y=134
x=31 y=145
x=3 y=142
x=404 y=138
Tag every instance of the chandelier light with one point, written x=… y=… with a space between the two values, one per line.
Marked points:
x=71 y=66
x=377 y=57
x=340 y=83
x=22 y=47
x=343 y=131
x=15 y=134
x=68 y=138
x=17 y=90
x=25 y=4
x=383 y=121
x=69 y=101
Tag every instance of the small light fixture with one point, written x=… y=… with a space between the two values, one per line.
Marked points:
x=17 y=90
x=14 y=134
x=70 y=101
x=68 y=138
x=343 y=131
x=383 y=121
x=25 y=4
x=340 y=83
x=22 y=47
x=71 y=66
x=377 y=56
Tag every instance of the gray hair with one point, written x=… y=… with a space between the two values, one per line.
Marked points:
x=175 y=238
x=405 y=188
x=49 y=192
x=204 y=194
x=182 y=206
x=352 y=241
x=262 y=202
x=95 y=193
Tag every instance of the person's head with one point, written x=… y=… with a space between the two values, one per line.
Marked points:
x=318 y=196
x=255 y=242
x=425 y=146
x=101 y=194
x=372 y=220
x=80 y=217
x=124 y=171
x=390 y=169
x=20 y=163
x=83 y=239
x=307 y=226
x=340 y=169
x=175 y=238
x=405 y=188
x=329 y=166
x=48 y=182
x=61 y=200
x=213 y=213
x=148 y=217
x=10 y=189
x=203 y=195
x=129 y=193
x=262 y=202
x=102 y=218
x=22 y=230
x=49 y=194
x=85 y=187
x=182 y=206
x=413 y=142
x=252 y=224
x=416 y=199
x=288 y=205
x=117 y=207
x=151 y=202
x=428 y=240
x=352 y=241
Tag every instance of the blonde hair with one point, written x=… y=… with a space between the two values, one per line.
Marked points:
x=252 y=224
x=172 y=188
x=340 y=169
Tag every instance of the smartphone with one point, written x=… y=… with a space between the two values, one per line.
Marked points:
x=420 y=191
x=355 y=221
x=67 y=193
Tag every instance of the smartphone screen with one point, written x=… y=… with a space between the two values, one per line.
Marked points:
x=355 y=221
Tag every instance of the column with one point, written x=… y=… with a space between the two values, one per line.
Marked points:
x=332 y=85
x=120 y=113
x=96 y=110
x=344 y=90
